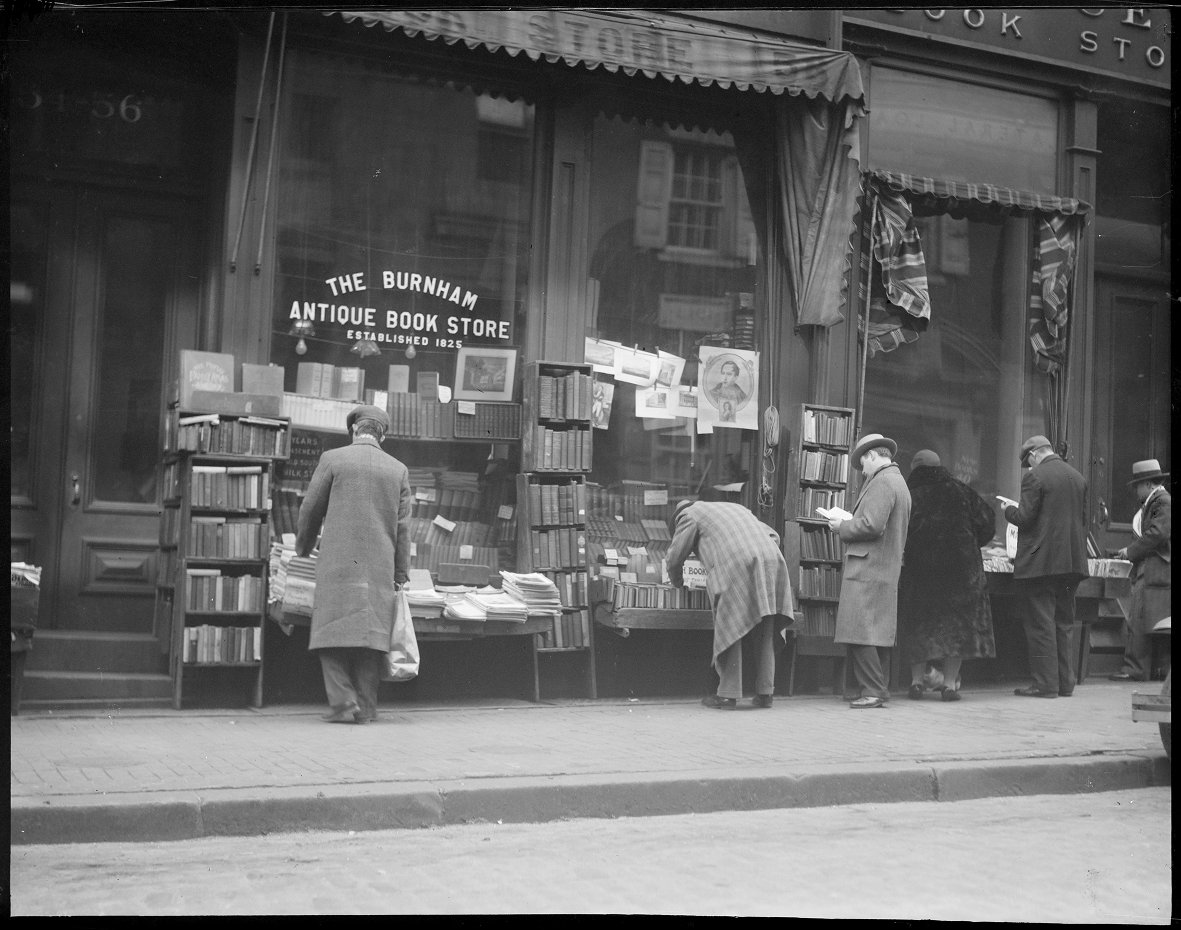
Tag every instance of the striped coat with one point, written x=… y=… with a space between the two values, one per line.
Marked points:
x=747 y=577
x=361 y=497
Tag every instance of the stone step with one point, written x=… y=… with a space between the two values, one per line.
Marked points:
x=98 y=653
x=46 y=688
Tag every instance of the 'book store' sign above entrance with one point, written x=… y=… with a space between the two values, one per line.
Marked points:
x=447 y=321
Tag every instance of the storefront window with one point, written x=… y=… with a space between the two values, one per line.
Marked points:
x=401 y=222
x=673 y=271
x=958 y=390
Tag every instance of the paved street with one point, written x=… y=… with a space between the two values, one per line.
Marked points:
x=1080 y=858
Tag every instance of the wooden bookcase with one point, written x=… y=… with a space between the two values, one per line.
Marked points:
x=556 y=455
x=211 y=593
x=818 y=476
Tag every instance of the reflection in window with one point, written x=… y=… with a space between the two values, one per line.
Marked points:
x=404 y=205
x=673 y=266
x=25 y=310
x=957 y=390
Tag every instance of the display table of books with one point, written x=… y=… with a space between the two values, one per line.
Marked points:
x=626 y=606
x=1102 y=601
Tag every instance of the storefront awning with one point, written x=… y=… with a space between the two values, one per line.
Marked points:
x=957 y=198
x=639 y=42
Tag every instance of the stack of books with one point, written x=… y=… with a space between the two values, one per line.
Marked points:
x=535 y=590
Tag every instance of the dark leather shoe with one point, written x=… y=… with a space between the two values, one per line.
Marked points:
x=761 y=700
x=950 y=694
x=719 y=703
x=915 y=693
x=1119 y=676
x=1065 y=693
x=346 y=713
x=1034 y=691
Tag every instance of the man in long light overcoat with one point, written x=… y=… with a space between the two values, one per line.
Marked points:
x=748 y=584
x=874 y=539
x=361 y=497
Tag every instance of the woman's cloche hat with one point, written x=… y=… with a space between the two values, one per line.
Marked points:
x=1147 y=470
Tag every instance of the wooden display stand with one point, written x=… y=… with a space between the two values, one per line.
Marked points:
x=818 y=476
x=552 y=503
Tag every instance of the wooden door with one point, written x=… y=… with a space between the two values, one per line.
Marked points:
x=100 y=281
x=1132 y=387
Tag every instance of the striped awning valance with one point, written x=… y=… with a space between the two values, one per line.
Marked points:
x=960 y=198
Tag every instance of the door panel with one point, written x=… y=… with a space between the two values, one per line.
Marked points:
x=101 y=343
x=1132 y=398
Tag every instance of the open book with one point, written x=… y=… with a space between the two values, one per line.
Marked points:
x=834 y=513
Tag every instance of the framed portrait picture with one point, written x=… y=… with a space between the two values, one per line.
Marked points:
x=485 y=373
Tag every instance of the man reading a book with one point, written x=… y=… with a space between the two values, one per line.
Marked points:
x=360 y=496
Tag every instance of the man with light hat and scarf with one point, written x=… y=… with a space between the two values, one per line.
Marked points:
x=1151 y=556
x=748 y=584
x=874 y=538
x=361 y=497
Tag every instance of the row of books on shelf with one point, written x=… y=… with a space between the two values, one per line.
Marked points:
x=821 y=543
x=818 y=465
x=570 y=630
x=604 y=550
x=557 y=503
x=411 y=415
x=489 y=420
x=431 y=555
x=316 y=412
x=564 y=397
x=209 y=589
x=561 y=450
x=573 y=587
x=564 y=547
x=452 y=503
x=322 y=379
x=622 y=594
x=220 y=435
x=820 y=581
x=440 y=531
x=633 y=501
x=811 y=498
x=830 y=428
x=224 y=487
x=217 y=645
x=227 y=538
x=820 y=619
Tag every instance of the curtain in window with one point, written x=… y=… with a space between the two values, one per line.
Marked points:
x=899 y=304
x=1049 y=302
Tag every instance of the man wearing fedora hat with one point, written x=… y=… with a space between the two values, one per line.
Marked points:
x=874 y=538
x=1150 y=553
x=360 y=495
x=1051 y=561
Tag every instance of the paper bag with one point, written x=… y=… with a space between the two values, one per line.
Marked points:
x=401 y=662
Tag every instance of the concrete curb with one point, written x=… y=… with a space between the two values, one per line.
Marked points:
x=258 y=811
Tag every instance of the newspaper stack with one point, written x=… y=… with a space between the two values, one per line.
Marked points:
x=25 y=575
x=300 y=593
x=538 y=593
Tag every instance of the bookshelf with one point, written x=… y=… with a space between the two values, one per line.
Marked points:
x=214 y=549
x=818 y=476
x=552 y=500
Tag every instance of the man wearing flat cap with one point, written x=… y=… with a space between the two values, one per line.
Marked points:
x=1150 y=553
x=1051 y=561
x=874 y=539
x=360 y=495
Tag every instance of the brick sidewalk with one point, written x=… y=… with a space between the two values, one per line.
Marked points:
x=83 y=762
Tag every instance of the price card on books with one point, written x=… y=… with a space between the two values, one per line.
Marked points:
x=466 y=407
x=467 y=553
x=694 y=573
x=443 y=523
x=628 y=577
x=611 y=556
x=656 y=498
x=424 y=494
x=638 y=550
x=505 y=512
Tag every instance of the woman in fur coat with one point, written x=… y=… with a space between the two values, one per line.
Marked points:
x=943 y=607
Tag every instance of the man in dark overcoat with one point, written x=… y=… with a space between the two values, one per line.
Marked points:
x=361 y=497
x=874 y=539
x=1151 y=556
x=1051 y=561
x=749 y=587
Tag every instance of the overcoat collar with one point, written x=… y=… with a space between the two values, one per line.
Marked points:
x=864 y=487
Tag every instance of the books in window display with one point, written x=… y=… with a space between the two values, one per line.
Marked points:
x=818 y=465
x=829 y=428
x=561 y=450
x=247 y=435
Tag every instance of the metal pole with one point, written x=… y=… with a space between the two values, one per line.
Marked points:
x=266 y=197
x=262 y=80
